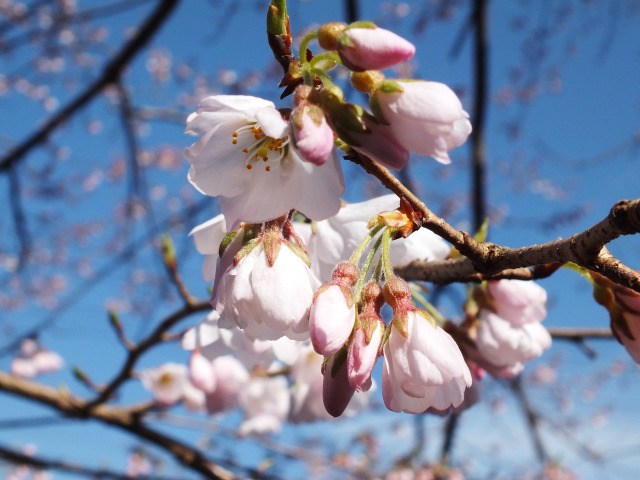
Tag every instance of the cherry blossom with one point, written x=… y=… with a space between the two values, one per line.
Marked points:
x=423 y=367
x=312 y=134
x=504 y=344
x=335 y=238
x=425 y=117
x=266 y=301
x=245 y=156
x=518 y=301
x=166 y=382
x=231 y=377
x=372 y=48
x=266 y=403
x=207 y=237
x=34 y=360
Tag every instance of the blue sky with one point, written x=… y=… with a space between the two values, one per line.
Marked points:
x=585 y=104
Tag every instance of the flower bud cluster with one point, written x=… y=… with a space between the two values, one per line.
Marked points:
x=505 y=323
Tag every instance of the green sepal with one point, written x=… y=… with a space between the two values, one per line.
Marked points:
x=362 y=24
x=427 y=316
x=401 y=322
x=338 y=360
x=376 y=110
x=345 y=41
x=300 y=253
x=226 y=241
x=390 y=86
x=245 y=250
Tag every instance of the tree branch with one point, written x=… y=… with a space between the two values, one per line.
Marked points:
x=110 y=75
x=485 y=260
x=127 y=419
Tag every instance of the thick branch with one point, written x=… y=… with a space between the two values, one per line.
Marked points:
x=110 y=74
x=127 y=419
x=40 y=463
x=486 y=260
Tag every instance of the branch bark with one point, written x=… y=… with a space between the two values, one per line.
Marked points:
x=485 y=260
x=127 y=419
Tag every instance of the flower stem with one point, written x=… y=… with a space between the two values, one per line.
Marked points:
x=304 y=44
x=355 y=258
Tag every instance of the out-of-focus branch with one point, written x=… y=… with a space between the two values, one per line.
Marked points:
x=19 y=219
x=486 y=260
x=41 y=463
x=478 y=158
x=127 y=419
x=100 y=275
x=111 y=73
x=135 y=353
x=351 y=10
x=532 y=418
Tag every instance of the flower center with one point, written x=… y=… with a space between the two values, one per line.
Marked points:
x=260 y=149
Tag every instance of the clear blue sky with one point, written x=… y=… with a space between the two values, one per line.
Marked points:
x=567 y=152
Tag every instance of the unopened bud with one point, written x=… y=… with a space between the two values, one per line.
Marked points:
x=328 y=34
x=367 y=81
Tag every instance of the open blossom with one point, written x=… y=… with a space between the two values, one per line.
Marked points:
x=337 y=237
x=503 y=344
x=373 y=48
x=231 y=377
x=207 y=237
x=425 y=117
x=518 y=301
x=34 y=360
x=265 y=402
x=166 y=382
x=423 y=368
x=266 y=301
x=213 y=341
x=245 y=155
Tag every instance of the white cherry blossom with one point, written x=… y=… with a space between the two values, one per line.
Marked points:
x=245 y=156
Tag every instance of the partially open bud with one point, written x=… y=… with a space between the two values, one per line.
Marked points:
x=364 y=348
x=425 y=117
x=368 y=47
x=313 y=135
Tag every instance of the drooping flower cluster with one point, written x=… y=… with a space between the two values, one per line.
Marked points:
x=504 y=323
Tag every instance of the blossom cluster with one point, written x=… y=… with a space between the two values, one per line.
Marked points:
x=300 y=279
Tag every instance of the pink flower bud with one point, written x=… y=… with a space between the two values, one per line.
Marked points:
x=518 y=301
x=330 y=320
x=373 y=49
x=313 y=135
x=201 y=372
x=231 y=378
x=364 y=352
x=379 y=144
x=336 y=391
x=425 y=117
